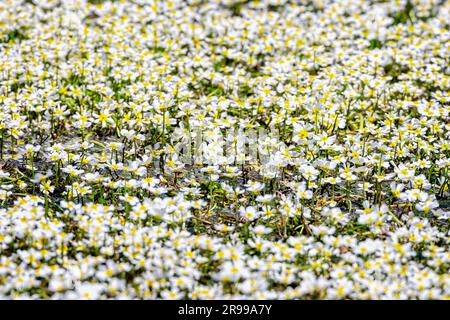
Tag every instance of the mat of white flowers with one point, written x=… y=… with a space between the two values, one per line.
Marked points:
x=224 y=149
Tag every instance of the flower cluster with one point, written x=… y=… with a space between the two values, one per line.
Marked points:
x=345 y=196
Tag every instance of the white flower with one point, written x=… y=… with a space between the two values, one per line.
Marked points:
x=404 y=173
x=88 y=291
x=302 y=192
x=254 y=186
x=250 y=213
